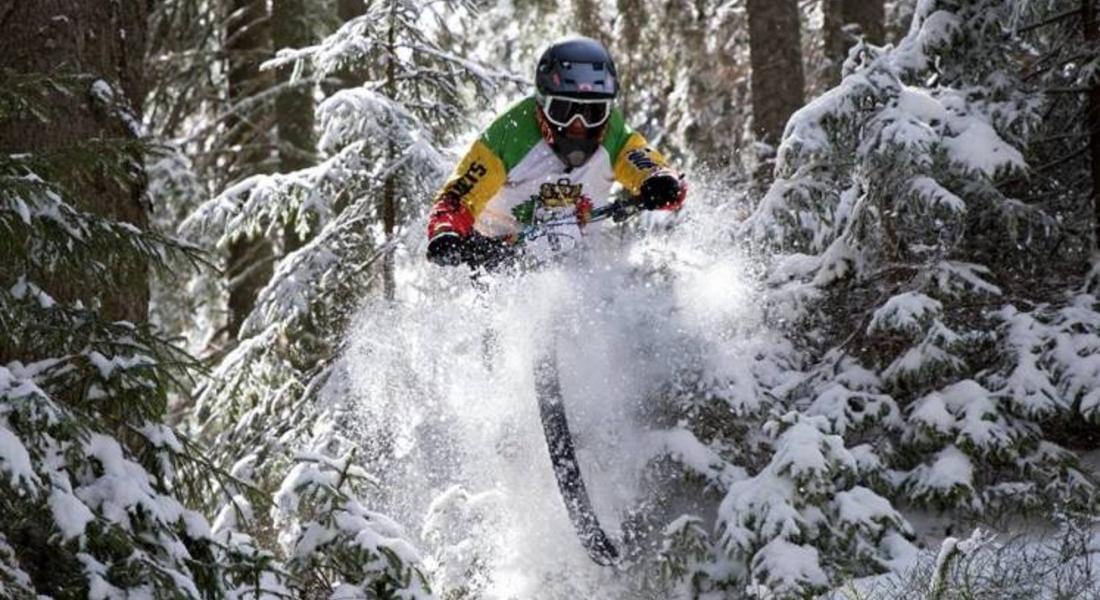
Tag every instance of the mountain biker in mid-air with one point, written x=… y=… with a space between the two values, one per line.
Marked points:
x=549 y=160
x=550 y=156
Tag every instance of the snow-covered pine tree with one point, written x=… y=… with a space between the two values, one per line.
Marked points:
x=381 y=160
x=804 y=521
x=794 y=507
x=94 y=488
x=335 y=545
x=194 y=61
x=901 y=202
x=799 y=504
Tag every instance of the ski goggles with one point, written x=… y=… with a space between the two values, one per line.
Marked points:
x=561 y=111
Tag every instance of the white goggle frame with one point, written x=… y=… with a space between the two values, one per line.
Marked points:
x=546 y=100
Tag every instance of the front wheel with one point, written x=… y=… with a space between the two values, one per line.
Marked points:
x=567 y=471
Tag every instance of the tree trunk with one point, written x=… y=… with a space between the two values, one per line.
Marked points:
x=586 y=18
x=869 y=16
x=1092 y=37
x=389 y=192
x=836 y=40
x=248 y=44
x=293 y=106
x=845 y=22
x=697 y=120
x=776 y=57
x=104 y=41
x=348 y=76
x=631 y=21
x=349 y=9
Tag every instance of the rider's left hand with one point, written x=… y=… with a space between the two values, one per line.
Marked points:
x=662 y=190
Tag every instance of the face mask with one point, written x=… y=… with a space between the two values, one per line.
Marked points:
x=574 y=152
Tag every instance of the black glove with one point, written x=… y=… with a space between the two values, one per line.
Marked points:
x=447 y=249
x=659 y=190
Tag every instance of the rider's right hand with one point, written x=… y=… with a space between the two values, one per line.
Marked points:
x=446 y=249
x=449 y=225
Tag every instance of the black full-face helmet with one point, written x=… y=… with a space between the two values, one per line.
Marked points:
x=575 y=80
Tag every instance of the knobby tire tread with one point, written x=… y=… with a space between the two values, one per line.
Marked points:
x=567 y=471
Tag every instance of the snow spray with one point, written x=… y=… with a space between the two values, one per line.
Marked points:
x=443 y=394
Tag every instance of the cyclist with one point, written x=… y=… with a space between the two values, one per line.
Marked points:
x=552 y=155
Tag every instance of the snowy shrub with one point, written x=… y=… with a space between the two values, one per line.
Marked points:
x=686 y=553
x=851 y=398
x=335 y=546
x=796 y=525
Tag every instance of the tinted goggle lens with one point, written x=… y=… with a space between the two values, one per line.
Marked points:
x=562 y=111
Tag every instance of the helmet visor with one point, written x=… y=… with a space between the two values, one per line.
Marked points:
x=562 y=111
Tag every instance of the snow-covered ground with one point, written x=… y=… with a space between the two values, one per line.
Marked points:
x=1024 y=563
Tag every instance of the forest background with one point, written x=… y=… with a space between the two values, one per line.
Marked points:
x=198 y=197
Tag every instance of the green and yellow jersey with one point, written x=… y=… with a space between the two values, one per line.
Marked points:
x=510 y=176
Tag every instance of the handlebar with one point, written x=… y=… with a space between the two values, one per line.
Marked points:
x=492 y=253
x=616 y=211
